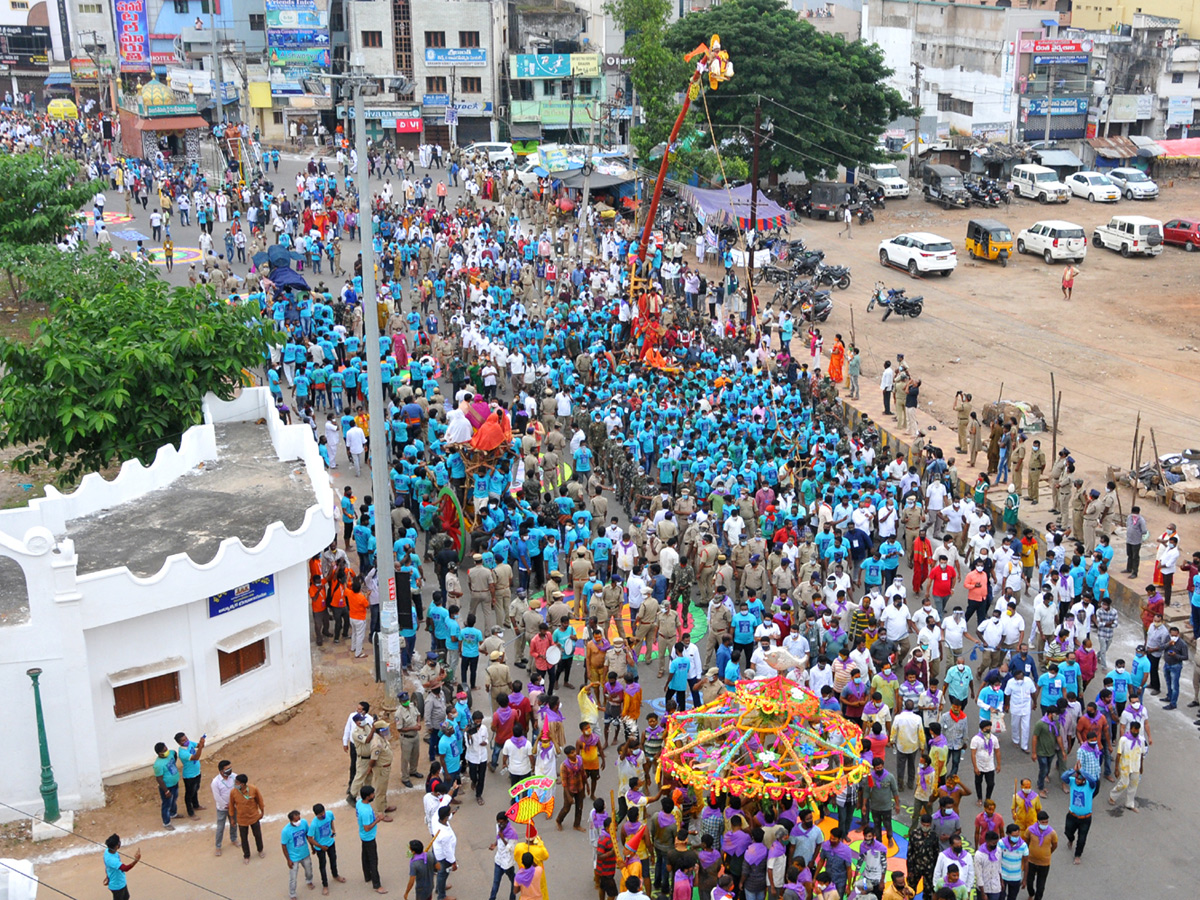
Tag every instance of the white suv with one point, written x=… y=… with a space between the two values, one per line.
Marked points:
x=1054 y=239
x=496 y=151
x=1134 y=184
x=919 y=252
x=1129 y=235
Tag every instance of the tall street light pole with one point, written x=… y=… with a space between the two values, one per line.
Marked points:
x=385 y=563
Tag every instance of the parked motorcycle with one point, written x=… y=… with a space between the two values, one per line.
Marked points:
x=814 y=307
x=904 y=306
x=865 y=213
x=833 y=276
x=807 y=261
x=895 y=300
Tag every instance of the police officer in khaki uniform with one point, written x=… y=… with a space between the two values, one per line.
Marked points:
x=900 y=391
x=613 y=596
x=720 y=621
x=1037 y=463
x=726 y=576
x=1091 y=519
x=1108 y=508
x=754 y=578
x=379 y=769
x=481 y=582
x=549 y=409
x=911 y=518
x=529 y=629
x=1017 y=460
x=503 y=574
x=644 y=626
x=665 y=631
x=516 y=610
x=499 y=677
x=962 y=406
x=360 y=744
x=557 y=609
x=739 y=559
x=706 y=567
x=580 y=569
x=1058 y=473
x=408 y=725
x=1079 y=503
x=553 y=583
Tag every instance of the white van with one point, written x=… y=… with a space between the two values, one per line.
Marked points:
x=1040 y=183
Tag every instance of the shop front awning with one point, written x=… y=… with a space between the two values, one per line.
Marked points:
x=1056 y=158
x=169 y=123
x=1148 y=148
x=525 y=131
x=58 y=79
x=1114 y=147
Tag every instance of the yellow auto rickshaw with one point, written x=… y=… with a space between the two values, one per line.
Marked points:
x=989 y=239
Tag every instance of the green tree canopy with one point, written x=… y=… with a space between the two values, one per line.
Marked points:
x=658 y=74
x=113 y=375
x=41 y=273
x=830 y=102
x=39 y=197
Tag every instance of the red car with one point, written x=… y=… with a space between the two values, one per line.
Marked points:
x=1184 y=232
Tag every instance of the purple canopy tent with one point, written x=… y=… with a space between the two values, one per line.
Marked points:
x=722 y=208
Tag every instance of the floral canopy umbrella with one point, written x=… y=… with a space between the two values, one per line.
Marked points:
x=764 y=739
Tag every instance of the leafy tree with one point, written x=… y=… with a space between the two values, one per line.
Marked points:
x=702 y=160
x=835 y=88
x=41 y=273
x=114 y=375
x=39 y=197
x=658 y=74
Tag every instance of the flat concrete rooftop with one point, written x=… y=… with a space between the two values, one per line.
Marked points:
x=238 y=495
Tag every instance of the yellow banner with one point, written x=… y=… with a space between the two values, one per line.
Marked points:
x=260 y=94
x=585 y=65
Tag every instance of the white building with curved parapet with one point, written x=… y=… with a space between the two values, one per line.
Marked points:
x=172 y=598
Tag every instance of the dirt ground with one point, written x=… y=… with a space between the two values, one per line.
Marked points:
x=1126 y=343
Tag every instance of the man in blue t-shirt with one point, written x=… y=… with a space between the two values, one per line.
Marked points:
x=294 y=840
x=743 y=626
x=367 y=823
x=450 y=750
x=189 y=753
x=1081 y=789
x=322 y=835
x=166 y=773
x=114 y=869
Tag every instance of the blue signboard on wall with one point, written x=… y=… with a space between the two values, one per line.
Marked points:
x=1060 y=59
x=467 y=57
x=228 y=601
x=542 y=65
x=300 y=38
x=1063 y=106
